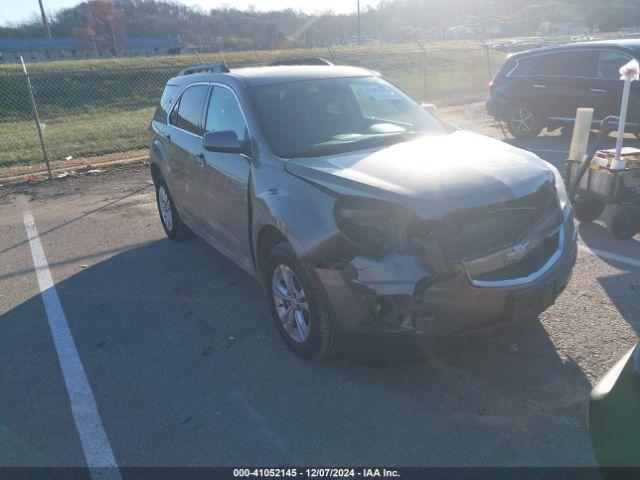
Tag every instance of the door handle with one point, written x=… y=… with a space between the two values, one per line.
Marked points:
x=166 y=136
x=539 y=86
x=201 y=159
x=598 y=90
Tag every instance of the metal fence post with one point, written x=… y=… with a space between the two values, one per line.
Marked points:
x=45 y=153
x=331 y=53
x=199 y=57
x=424 y=68
x=489 y=62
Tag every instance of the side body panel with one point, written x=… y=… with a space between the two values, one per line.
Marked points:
x=223 y=181
x=223 y=205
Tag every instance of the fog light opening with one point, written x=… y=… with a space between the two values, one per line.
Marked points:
x=380 y=308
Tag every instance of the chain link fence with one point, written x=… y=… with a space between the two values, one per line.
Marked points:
x=94 y=115
x=83 y=114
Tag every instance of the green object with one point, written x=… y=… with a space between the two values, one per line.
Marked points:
x=614 y=414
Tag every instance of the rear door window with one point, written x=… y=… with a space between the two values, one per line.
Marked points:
x=187 y=113
x=609 y=64
x=575 y=63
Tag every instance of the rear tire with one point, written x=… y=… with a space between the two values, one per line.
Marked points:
x=524 y=122
x=587 y=210
x=624 y=222
x=299 y=306
x=173 y=225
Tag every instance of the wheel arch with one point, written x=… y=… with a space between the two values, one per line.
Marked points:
x=156 y=174
x=268 y=237
x=158 y=160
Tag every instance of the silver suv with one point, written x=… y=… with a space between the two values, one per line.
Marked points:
x=369 y=222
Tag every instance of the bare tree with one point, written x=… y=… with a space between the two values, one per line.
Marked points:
x=87 y=34
x=104 y=26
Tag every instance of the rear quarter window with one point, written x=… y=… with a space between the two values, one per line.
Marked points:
x=525 y=67
x=165 y=102
x=167 y=95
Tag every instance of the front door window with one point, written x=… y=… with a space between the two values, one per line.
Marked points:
x=224 y=114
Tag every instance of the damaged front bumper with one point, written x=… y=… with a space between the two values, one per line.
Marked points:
x=399 y=301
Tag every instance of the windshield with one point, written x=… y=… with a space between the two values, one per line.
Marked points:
x=329 y=116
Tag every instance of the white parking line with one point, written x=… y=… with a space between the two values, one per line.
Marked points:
x=96 y=447
x=549 y=150
x=609 y=255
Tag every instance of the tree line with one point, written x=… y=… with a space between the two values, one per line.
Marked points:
x=106 y=21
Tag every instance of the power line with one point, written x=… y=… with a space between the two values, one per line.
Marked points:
x=523 y=12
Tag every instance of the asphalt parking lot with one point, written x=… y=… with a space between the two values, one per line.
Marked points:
x=185 y=367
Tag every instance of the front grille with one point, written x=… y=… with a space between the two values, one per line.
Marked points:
x=530 y=264
x=483 y=230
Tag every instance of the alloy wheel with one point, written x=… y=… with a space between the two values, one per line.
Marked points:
x=165 y=208
x=522 y=121
x=291 y=303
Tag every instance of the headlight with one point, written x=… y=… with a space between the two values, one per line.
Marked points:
x=563 y=197
x=377 y=227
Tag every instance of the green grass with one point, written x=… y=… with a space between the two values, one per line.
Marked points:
x=79 y=136
x=90 y=112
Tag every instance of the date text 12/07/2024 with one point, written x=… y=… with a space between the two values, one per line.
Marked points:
x=315 y=473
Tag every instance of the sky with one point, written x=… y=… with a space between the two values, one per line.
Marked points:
x=19 y=10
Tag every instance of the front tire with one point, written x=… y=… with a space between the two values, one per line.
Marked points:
x=173 y=225
x=298 y=305
x=524 y=122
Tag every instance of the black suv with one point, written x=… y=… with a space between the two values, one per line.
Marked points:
x=544 y=87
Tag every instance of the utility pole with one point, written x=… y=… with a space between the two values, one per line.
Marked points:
x=359 y=28
x=485 y=35
x=486 y=21
x=45 y=22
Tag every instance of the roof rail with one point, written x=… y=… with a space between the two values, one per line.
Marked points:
x=209 y=68
x=301 y=61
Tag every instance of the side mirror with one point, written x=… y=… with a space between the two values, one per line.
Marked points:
x=431 y=108
x=225 y=141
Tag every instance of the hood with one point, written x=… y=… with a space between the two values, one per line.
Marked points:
x=432 y=175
